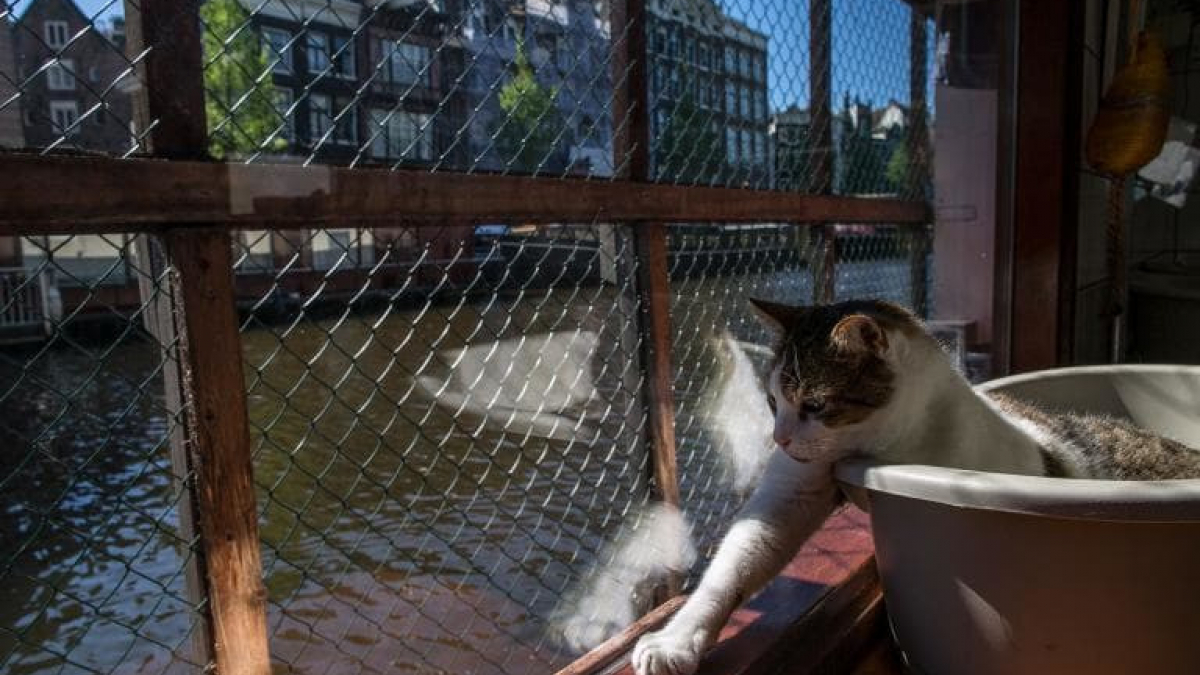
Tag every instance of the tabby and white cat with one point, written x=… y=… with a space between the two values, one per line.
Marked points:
x=866 y=378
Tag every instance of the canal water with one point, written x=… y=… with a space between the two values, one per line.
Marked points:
x=439 y=488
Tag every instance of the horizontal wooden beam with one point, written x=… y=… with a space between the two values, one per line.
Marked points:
x=46 y=195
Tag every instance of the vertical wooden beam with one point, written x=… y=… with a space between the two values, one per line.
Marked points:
x=820 y=142
x=651 y=245
x=1045 y=185
x=631 y=156
x=218 y=433
x=197 y=315
x=918 y=155
x=158 y=318
x=169 y=107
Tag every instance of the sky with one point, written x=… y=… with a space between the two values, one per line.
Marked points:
x=870 y=46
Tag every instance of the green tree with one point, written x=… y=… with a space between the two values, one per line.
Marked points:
x=239 y=104
x=690 y=150
x=527 y=135
x=898 y=169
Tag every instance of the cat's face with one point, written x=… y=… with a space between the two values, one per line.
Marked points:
x=831 y=375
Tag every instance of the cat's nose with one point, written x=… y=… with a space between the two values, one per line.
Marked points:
x=783 y=442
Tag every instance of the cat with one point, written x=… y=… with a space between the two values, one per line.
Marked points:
x=865 y=378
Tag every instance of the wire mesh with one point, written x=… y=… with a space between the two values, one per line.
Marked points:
x=93 y=563
x=447 y=424
x=720 y=350
x=501 y=86
x=66 y=81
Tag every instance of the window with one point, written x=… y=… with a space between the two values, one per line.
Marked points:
x=760 y=148
x=730 y=98
x=705 y=58
x=60 y=76
x=673 y=83
x=673 y=43
x=744 y=102
x=691 y=51
x=747 y=65
x=317 y=50
x=586 y=133
x=346 y=131
x=731 y=60
x=280 y=50
x=320 y=116
x=660 y=41
x=401 y=135
x=745 y=137
x=731 y=146
x=56 y=34
x=283 y=99
x=405 y=63
x=64 y=115
x=342 y=55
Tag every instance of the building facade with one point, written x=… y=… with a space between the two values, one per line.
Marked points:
x=866 y=143
x=74 y=79
x=12 y=135
x=708 y=92
x=363 y=83
x=566 y=46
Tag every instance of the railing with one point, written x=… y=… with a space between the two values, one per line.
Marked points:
x=22 y=303
x=439 y=457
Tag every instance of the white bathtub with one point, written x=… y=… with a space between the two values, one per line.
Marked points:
x=989 y=574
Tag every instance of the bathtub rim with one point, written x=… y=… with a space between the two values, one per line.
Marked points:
x=1165 y=501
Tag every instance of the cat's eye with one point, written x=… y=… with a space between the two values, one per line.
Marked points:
x=812 y=406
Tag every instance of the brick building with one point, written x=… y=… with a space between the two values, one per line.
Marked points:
x=74 y=79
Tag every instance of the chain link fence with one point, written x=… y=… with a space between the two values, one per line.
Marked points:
x=747 y=93
x=449 y=439
x=720 y=350
x=448 y=418
x=93 y=563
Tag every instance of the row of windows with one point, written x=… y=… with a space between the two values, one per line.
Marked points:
x=392 y=133
x=743 y=146
x=740 y=100
x=392 y=61
x=747 y=63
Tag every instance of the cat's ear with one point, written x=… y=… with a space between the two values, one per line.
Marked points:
x=775 y=316
x=859 y=334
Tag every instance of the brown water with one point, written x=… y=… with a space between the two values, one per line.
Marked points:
x=431 y=482
x=398 y=534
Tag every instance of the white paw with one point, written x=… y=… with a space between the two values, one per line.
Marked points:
x=669 y=652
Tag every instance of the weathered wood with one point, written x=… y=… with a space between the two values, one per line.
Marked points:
x=656 y=336
x=163 y=41
x=98 y=195
x=218 y=436
x=918 y=153
x=616 y=646
x=631 y=113
x=631 y=156
x=820 y=143
x=158 y=318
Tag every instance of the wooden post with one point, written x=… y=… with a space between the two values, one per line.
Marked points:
x=205 y=386
x=820 y=143
x=631 y=156
x=918 y=156
x=218 y=434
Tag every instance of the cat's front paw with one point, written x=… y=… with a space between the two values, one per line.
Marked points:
x=669 y=652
